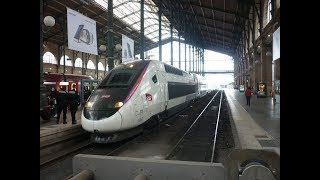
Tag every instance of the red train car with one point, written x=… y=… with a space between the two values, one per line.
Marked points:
x=58 y=80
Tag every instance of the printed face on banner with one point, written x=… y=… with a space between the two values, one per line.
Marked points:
x=82 y=33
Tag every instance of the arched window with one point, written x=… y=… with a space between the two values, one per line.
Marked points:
x=68 y=61
x=48 y=57
x=90 y=65
x=78 y=63
x=100 y=66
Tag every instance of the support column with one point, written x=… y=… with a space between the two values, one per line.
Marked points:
x=63 y=45
x=105 y=66
x=251 y=80
x=189 y=58
x=202 y=62
x=43 y=99
x=160 y=46
x=196 y=60
x=242 y=72
x=179 y=52
x=171 y=43
x=97 y=62
x=142 y=30
x=246 y=72
x=199 y=56
x=193 y=58
x=257 y=67
x=266 y=68
x=185 y=56
x=73 y=62
x=64 y=52
x=110 y=35
x=277 y=69
x=185 y=45
x=84 y=59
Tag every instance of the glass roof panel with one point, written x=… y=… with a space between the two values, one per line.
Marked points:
x=129 y=12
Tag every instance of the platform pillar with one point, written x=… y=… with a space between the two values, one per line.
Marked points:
x=257 y=69
x=160 y=41
x=266 y=67
x=110 y=35
x=142 y=30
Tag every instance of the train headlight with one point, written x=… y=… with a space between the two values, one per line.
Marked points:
x=88 y=104
x=118 y=104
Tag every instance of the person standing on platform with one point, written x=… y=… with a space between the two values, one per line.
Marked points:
x=53 y=100
x=74 y=101
x=248 y=95
x=62 y=104
x=87 y=93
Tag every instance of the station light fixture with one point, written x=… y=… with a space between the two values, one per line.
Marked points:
x=49 y=21
x=102 y=47
x=118 y=47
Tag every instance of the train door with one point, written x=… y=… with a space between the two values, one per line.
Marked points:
x=86 y=88
x=163 y=92
x=163 y=101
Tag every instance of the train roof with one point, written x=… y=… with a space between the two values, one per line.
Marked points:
x=156 y=61
x=56 y=77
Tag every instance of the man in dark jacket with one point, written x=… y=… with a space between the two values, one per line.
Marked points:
x=53 y=101
x=62 y=104
x=74 y=101
x=87 y=93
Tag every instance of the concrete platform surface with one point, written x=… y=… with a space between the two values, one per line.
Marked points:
x=257 y=125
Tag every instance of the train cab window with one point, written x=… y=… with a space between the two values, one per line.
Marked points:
x=120 y=78
x=154 y=79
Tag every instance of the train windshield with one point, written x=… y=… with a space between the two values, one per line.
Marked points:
x=123 y=76
x=119 y=78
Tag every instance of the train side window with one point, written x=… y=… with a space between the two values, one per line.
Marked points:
x=154 y=79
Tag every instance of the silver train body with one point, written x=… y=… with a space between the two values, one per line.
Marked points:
x=135 y=92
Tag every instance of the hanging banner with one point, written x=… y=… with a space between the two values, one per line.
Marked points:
x=276 y=45
x=82 y=33
x=127 y=49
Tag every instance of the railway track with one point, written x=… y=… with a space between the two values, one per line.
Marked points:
x=56 y=145
x=167 y=140
x=157 y=142
x=198 y=142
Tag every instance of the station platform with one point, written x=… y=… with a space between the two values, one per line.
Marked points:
x=256 y=126
x=49 y=127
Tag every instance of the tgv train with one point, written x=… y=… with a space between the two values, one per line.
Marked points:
x=134 y=94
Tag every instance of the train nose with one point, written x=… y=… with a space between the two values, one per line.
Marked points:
x=105 y=125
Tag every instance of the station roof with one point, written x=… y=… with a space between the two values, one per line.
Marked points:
x=212 y=25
